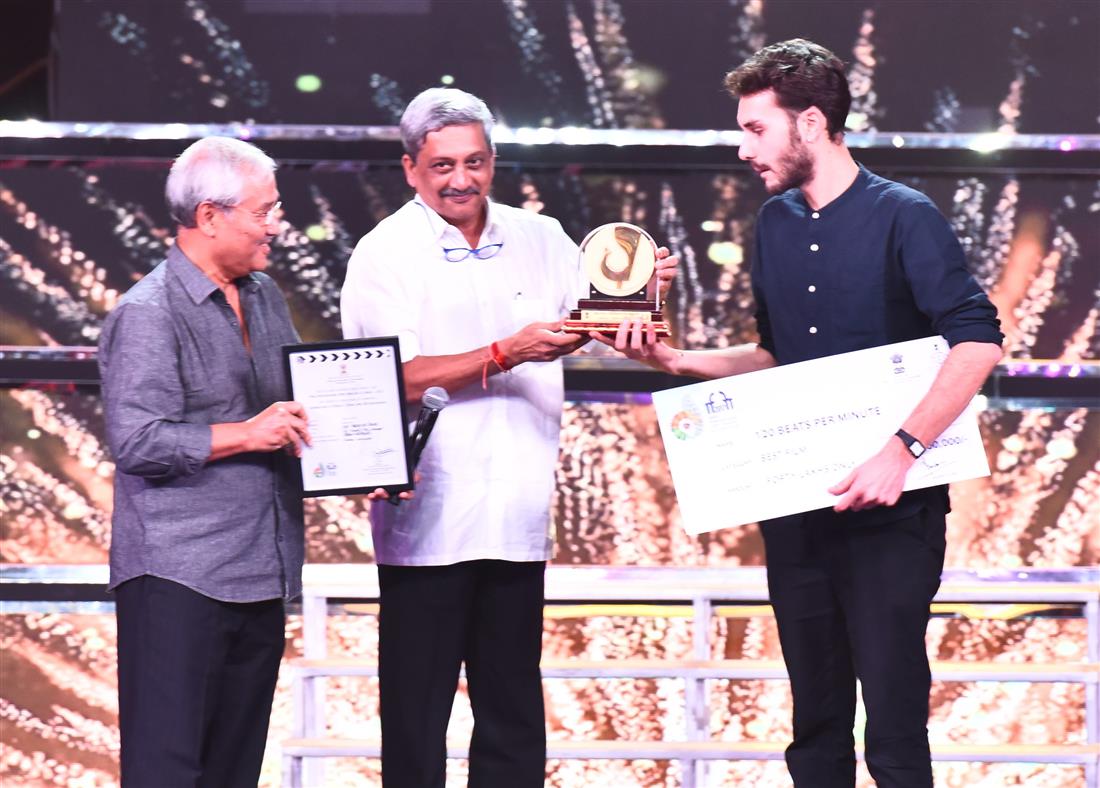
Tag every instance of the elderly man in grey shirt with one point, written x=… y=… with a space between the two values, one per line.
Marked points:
x=207 y=535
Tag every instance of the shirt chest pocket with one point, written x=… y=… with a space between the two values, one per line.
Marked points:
x=214 y=382
x=200 y=401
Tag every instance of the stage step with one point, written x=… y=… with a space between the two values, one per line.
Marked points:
x=1076 y=672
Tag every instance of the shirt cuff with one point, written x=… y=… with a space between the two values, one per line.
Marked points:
x=976 y=322
x=974 y=332
x=193 y=447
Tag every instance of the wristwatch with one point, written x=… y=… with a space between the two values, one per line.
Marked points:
x=915 y=447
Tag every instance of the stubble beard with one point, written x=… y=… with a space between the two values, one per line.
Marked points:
x=796 y=166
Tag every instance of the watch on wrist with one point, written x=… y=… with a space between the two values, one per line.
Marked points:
x=915 y=447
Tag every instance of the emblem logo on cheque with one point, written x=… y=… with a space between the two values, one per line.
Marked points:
x=687 y=424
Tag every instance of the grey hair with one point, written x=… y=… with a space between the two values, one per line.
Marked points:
x=435 y=108
x=214 y=169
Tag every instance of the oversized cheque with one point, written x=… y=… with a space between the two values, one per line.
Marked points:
x=770 y=443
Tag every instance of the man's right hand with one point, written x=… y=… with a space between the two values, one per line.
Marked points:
x=540 y=342
x=279 y=424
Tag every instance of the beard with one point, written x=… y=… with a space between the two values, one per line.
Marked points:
x=795 y=166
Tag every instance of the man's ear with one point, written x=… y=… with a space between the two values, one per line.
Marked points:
x=206 y=215
x=409 y=164
x=812 y=125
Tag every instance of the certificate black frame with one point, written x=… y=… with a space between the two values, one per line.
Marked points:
x=345 y=345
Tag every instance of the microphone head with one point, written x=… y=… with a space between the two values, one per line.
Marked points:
x=435 y=398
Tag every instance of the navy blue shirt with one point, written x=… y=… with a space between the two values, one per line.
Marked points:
x=173 y=362
x=877 y=265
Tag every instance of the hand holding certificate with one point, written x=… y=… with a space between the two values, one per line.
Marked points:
x=354 y=395
x=771 y=443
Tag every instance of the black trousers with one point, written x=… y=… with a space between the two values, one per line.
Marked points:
x=196 y=678
x=853 y=602
x=487 y=614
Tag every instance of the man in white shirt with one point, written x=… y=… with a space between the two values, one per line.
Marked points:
x=475 y=292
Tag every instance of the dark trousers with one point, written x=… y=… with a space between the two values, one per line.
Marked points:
x=853 y=602
x=487 y=614
x=196 y=678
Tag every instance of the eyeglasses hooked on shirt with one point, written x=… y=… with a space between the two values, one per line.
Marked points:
x=460 y=253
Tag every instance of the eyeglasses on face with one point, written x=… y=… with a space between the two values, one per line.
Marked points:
x=460 y=253
x=263 y=216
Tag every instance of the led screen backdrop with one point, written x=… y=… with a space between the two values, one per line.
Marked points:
x=73 y=239
x=969 y=66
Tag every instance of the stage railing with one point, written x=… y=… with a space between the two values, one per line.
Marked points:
x=704 y=590
x=702 y=594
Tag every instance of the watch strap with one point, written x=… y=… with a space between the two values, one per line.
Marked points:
x=915 y=447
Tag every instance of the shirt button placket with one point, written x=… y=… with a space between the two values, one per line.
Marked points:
x=814 y=248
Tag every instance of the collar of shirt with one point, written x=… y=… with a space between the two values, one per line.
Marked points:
x=198 y=285
x=440 y=227
x=856 y=187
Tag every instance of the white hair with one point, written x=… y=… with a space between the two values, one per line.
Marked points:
x=214 y=169
x=436 y=108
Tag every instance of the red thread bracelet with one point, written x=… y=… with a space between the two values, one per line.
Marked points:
x=498 y=357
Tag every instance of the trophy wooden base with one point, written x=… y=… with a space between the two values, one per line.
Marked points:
x=605 y=317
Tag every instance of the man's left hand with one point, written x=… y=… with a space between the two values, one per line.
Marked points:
x=666 y=271
x=378 y=494
x=877 y=482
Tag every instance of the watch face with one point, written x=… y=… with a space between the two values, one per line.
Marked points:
x=916 y=448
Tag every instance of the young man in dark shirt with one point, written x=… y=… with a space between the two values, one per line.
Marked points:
x=846 y=260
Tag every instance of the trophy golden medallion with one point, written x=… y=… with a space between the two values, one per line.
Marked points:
x=620 y=262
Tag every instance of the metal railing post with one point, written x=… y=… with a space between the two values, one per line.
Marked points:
x=314 y=646
x=697 y=706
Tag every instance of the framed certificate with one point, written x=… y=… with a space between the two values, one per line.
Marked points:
x=353 y=393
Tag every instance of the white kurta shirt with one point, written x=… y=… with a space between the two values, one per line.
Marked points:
x=488 y=468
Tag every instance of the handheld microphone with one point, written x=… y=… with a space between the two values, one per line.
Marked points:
x=433 y=401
